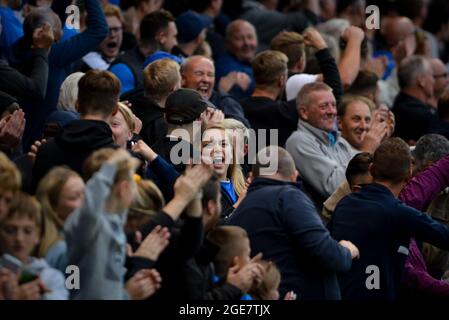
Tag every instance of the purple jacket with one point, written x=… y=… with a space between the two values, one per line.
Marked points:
x=418 y=193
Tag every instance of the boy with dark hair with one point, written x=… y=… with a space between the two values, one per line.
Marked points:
x=97 y=101
x=157 y=32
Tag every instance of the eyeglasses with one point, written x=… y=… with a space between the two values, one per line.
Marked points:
x=442 y=75
x=115 y=29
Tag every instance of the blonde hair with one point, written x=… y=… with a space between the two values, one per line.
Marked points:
x=128 y=115
x=268 y=66
x=234 y=170
x=160 y=78
x=111 y=10
x=68 y=94
x=270 y=281
x=291 y=44
x=10 y=178
x=48 y=193
x=149 y=199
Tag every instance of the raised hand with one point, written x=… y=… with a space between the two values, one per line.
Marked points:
x=140 y=147
x=244 y=277
x=153 y=244
x=143 y=284
x=352 y=33
x=314 y=39
x=11 y=129
x=43 y=37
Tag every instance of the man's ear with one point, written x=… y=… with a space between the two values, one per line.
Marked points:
x=294 y=176
x=282 y=81
x=420 y=81
x=339 y=121
x=371 y=169
x=301 y=64
x=302 y=112
x=183 y=80
x=161 y=37
x=77 y=106
x=235 y=261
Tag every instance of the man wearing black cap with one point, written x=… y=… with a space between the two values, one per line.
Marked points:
x=185 y=111
x=191 y=33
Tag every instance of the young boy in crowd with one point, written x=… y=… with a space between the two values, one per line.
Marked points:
x=233 y=258
x=95 y=232
x=19 y=236
x=268 y=288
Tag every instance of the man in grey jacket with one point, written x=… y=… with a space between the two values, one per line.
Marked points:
x=320 y=154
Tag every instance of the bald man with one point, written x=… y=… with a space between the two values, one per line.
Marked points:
x=282 y=223
x=198 y=73
x=241 y=46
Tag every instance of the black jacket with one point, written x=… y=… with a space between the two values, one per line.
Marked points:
x=185 y=241
x=199 y=277
x=154 y=126
x=413 y=117
x=22 y=86
x=264 y=113
x=72 y=146
x=230 y=107
x=381 y=227
x=282 y=223
x=134 y=59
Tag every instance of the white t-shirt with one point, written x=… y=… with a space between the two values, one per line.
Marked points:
x=296 y=82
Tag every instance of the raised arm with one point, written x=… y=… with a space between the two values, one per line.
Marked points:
x=349 y=64
x=66 y=52
x=423 y=188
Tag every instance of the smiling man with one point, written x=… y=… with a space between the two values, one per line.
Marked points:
x=362 y=125
x=241 y=47
x=320 y=154
x=198 y=73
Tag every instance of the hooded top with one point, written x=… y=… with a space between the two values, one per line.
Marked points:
x=72 y=146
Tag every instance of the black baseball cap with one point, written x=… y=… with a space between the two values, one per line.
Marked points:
x=184 y=106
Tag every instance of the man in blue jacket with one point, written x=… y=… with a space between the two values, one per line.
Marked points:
x=282 y=223
x=62 y=55
x=381 y=226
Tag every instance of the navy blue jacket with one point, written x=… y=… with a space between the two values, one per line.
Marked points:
x=282 y=223
x=381 y=227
